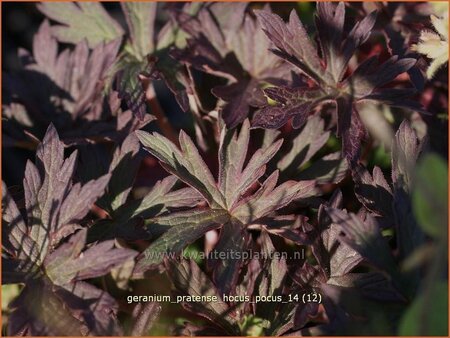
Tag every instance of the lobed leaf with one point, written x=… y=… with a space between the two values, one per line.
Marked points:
x=162 y=198
x=406 y=149
x=234 y=179
x=233 y=239
x=304 y=146
x=186 y=164
x=52 y=202
x=68 y=264
x=82 y=20
x=343 y=258
x=140 y=19
x=236 y=52
x=144 y=317
x=405 y=152
x=189 y=280
x=330 y=27
x=364 y=237
x=16 y=240
x=123 y=169
x=293 y=43
x=331 y=168
x=369 y=75
x=272 y=282
x=373 y=191
x=270 y=198
x=176 y=232
x=335 y=258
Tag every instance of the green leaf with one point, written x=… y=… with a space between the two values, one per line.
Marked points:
x=82 y=20
x=9 y=292
x=140 y=18
x=430 y=202
x=253 y=326
x=428 y=314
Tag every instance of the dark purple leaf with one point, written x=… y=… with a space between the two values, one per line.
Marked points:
x=304 y=146
x=233 y=239
x=186 y=163
x=295 y=46
x=16 y=240
x=123 y=169
x=373 y=285
x=397 y=45
x=335 y=258
x=54 y=207
x=331 y=168
x=38 y=311
x=373 y=191
x=293 y=43
x=292 y=102
x=50 y=198
x=177 y=231
x=304 y=313
x=308 y=276
x=100 y=309
x=405 y=152
x=350 y=128
x=369 y=75
x=189 y=280
x=144 y=317
x=235 y=52
x=364 y=237
x=67 y=263
x=238 y=96
x=290 y=227
x=357 y=36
